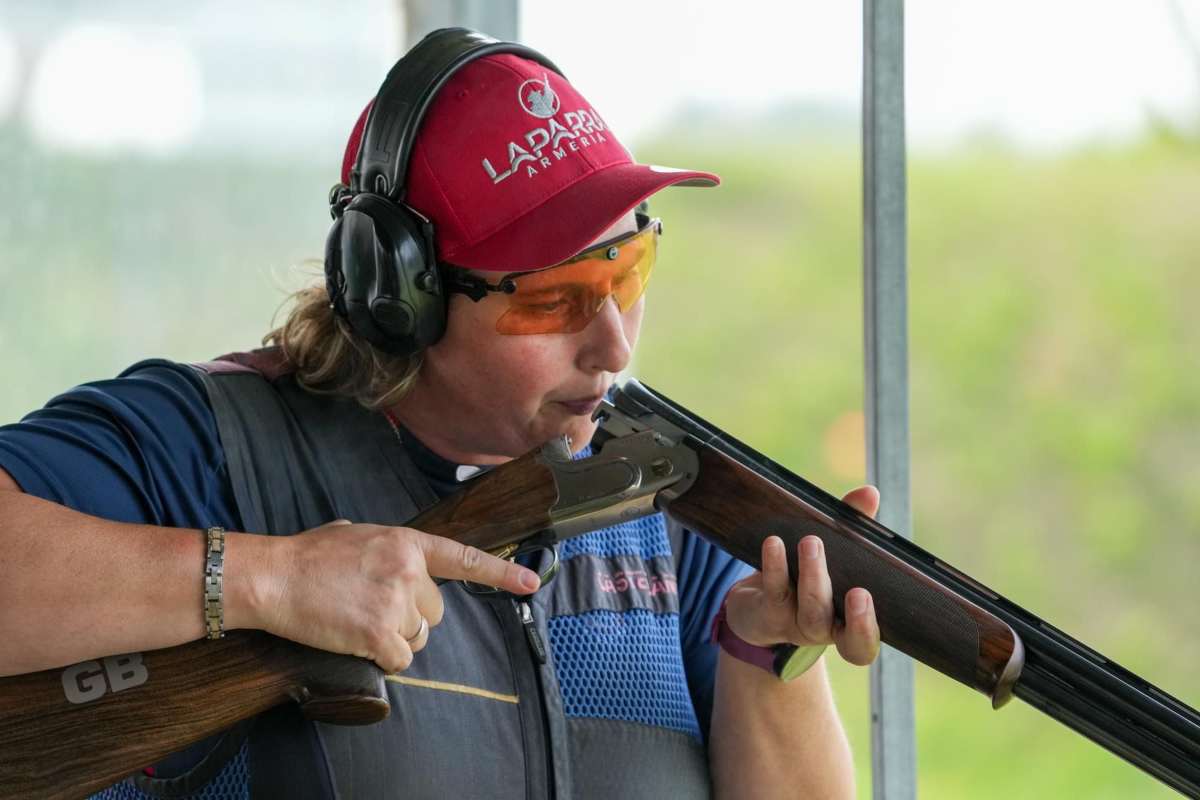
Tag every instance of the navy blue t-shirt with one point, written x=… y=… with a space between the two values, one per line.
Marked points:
x=141 y=448
x=144 y=448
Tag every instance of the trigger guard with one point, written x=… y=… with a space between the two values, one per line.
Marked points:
x=545 y=576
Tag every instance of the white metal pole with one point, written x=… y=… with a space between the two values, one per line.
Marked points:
x=498 y=18
x=885 y=245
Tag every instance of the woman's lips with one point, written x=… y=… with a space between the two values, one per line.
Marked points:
x=582 y=407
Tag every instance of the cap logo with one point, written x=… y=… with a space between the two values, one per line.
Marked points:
x=537 y=98
x=556 y=141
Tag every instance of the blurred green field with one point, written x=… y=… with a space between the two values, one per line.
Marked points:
x=1055 y=403
x=1055 y=397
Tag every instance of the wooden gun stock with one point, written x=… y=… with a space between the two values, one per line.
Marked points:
x=736 y=510
x=925 y=607
x=68 y=732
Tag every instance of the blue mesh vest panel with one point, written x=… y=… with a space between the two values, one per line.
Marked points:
x=622 y=664
x=645 y=537
x=231 y=783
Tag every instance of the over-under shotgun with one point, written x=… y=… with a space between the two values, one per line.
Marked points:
x=67 y=732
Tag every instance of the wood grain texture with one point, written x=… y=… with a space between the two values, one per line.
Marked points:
x=51 y=747
x=736 y=510
x=512 y=502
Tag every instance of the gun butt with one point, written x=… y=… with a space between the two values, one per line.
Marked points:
x=71 y=731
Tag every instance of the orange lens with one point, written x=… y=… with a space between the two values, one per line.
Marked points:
x=566 y=297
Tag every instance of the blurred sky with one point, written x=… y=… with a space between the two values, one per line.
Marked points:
x=1042 y=73
x=157 y=78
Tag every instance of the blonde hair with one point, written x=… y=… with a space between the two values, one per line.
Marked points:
x=329 y=359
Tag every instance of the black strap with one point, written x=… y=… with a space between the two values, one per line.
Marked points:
x=223 y=750
x=402 y=101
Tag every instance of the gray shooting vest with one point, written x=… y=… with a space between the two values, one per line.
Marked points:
x=477 y=715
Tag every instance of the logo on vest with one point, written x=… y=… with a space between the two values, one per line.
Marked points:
x=91 y=680
x=636 y=580
x=537 y=98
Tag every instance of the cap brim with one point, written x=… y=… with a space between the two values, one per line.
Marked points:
x=572 y=219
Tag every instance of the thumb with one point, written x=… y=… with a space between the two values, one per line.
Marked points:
x=864 y=499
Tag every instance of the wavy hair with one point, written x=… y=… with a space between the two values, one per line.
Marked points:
x=329 y=359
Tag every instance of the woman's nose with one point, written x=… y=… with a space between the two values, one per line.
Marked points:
x=605 y=348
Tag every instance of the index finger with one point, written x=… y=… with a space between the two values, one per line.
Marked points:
x=446 y=558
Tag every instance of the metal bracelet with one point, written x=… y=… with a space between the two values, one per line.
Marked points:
x=214 y=574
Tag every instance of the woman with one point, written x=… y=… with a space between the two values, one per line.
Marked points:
x=359 y=416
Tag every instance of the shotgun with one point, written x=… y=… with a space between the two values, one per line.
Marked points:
x=653 y=455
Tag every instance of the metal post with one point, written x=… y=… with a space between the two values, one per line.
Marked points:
x=893 y=739
x=496 y=18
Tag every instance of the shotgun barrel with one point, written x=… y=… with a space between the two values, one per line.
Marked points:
x=1060 y=676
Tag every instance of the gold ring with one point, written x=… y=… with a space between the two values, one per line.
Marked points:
x=420 y=631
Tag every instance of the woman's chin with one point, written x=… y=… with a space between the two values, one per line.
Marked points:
x=581 y=433
x=579 y=430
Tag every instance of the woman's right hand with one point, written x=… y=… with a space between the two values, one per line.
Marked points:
x=363 y=589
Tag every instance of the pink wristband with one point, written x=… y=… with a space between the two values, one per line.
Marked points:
x=786 y=661
x=739 y=648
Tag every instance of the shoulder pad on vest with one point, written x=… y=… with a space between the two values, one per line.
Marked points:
x=268 y=362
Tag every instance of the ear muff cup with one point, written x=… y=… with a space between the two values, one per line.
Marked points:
x=380 y=270
x=379 y=274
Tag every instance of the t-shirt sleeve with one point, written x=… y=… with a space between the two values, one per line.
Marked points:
x=142 y=448
x=705 y=573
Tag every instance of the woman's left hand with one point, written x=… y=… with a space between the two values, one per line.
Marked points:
x=767 y=608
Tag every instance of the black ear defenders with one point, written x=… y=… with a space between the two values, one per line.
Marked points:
x=381 y=268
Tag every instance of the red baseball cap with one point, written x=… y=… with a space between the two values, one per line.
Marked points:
x=517 y=171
